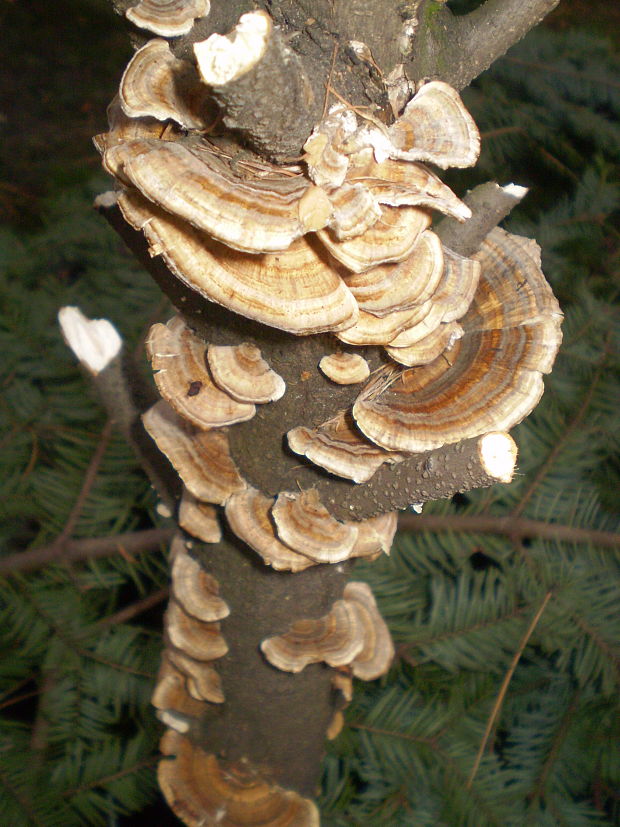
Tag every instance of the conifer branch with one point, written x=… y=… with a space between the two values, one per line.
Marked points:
x=134 y=609
x=558 y=739
x=90 y=548
x=509 y=526
x=504 y=687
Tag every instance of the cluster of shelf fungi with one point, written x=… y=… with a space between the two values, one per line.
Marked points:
x=432 y=350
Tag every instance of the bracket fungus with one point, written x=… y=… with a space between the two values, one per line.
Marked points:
x=201 y=458
x=203 y=791
x=352 y=634
x=183 y=377
x=337 y=242
x=169 y=18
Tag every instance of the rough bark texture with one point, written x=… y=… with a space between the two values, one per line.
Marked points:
x=275 y=719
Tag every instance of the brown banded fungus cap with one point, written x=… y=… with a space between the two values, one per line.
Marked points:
x=170 y=693
x=335 y=639
x=391 y=287
x=436 y=127
x=202 y=791
x=345 y=368
x=391 y=238
x=202 y=680
x=249 y=516
x=428 y=348
x=242 y=373
x=403 y=183
x=169 y=18
x=492 y=377
x=156 y=84
x=199 y=640
x=199 y=519
x=201 y=458
x=339 y=446
x=297 y=291
x=378 y=651
x=182 y=376
x=305 y=525
x=253 y=215
x=375 y=536
x=196 y=591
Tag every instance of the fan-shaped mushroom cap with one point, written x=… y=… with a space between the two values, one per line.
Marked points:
x=335 y=725
x=201 y=641
x=169 y=18
x=199 y=519
x=381 y=330
x=391 y=238
x=170 y=691
x=202 y=792
x=196 y=591
x=201 y=458
x=405 y=183
x=345 y=368
x=336 y=639
x=156 y=84
x=254 y=215
x=424 y=320
x=306 y=526
x=428 y=348
x=327 y=164
x=392 y=287
x=243 y=374
x=355 y=210
x=338 y=446
x=436 y=127
x=458 y=284
x=493 y=376
x=248 y=514
x=203 y=681
x=375 y=535
x=378 y=651
x=297 y=291
x=225 y=58
x=178 y=356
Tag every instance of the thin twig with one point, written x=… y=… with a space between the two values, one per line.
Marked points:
x=107 y=779
x=557 y=70
x=129 y=612
x=90 y=548
x=509 y=526
x=87 y=484
x=504 y=687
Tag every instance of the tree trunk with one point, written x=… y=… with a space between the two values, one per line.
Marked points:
x=273 y=719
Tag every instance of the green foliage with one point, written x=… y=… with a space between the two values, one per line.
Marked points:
x=78 y=738
x=459 y=604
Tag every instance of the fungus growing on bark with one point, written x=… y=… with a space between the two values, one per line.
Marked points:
x=243 y=374
x=199 y=519
x=169 y=18
x=352 y=634
x=223 y=59
x=345 y=368
x=158 y=85
x=436 y=127
x=200 y=640
x=170 y=693
x=249 y=516
x=182 y=376
x=201 y=458
x=202 y=680
x=306 y=526
x=196 y=591
x=338 y=446
x=203 y=791
x=493 y=376
x=335 y=639
x=297 y=291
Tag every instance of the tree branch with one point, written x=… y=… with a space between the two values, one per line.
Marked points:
x=517 y=528
x=90 y=548
x=457 y=49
